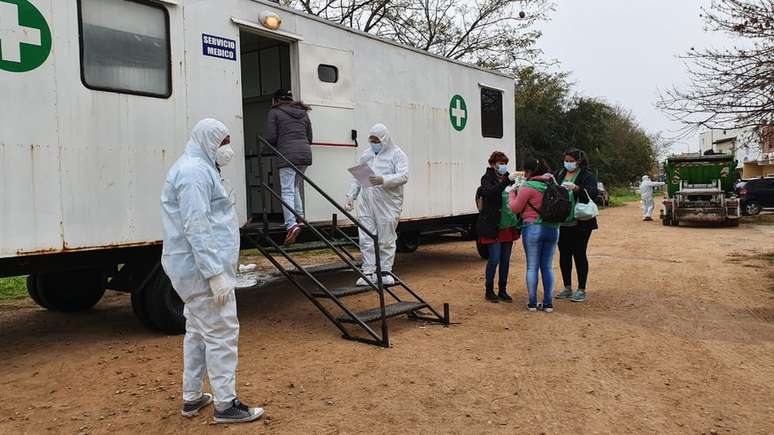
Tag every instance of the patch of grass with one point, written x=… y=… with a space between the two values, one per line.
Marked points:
x=621 y=195
x=13 y=288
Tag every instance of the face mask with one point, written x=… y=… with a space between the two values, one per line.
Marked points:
x=571 y=166
x=224 y=155
x=376 y=147
x=502 y=169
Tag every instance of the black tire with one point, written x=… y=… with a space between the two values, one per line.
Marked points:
x=70 y=291
x=408 y=242
x=483 y=251
x=751 y=208
x=674 y=223
x=32 y=290
x=157 y=304
x=732 y=223
x=666 y=222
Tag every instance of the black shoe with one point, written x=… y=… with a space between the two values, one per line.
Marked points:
x=548 y=308
x=192 y=408
x=532 y=308
x=504 y=296
x=492 y=297
x=238 y=413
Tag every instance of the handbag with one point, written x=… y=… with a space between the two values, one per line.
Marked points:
x=588 y=211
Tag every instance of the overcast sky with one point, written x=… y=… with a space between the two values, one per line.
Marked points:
x=625 y=51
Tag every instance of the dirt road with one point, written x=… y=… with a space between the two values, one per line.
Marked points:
x=677 y=337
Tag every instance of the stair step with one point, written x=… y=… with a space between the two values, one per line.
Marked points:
x=348 y=291
x=391 y=310
x=325 y=268
x=312 y=246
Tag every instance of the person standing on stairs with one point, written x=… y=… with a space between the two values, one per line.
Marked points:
x=380 y=204
x=497 y=227
x=200 y=254
x=289 y=129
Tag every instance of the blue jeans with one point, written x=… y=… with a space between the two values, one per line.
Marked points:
x=539 y=245
x=499 y=255
x=290 y=183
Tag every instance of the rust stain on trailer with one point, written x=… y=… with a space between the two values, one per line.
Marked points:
x=66 y=249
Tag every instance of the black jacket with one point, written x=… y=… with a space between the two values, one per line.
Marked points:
x=288 y=128
x=491 y=190
x=587 y=183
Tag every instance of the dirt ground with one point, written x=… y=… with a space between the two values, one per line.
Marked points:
x=677 y=337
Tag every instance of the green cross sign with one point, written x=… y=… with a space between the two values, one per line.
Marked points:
x=458 y=112
x=25 y=38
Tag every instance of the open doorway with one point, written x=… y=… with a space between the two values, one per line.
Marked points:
x=265 y=68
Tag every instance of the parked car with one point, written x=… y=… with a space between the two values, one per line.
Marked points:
x=756 y=195
x=603 y=194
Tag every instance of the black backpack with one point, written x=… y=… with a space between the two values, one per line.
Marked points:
x=556 y=206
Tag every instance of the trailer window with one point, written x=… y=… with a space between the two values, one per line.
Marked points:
x=491 y=113
x=328 y=73
x=125 y=47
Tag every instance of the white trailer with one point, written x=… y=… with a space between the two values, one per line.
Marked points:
x=99 y=96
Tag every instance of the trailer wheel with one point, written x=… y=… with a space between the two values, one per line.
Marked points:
x=483 y=251
x=665 y=221
x=408 y=242
x=70 y=291
x=157 y=304
x=32 y=290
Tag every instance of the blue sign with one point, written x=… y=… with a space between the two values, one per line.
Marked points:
x=216 y=46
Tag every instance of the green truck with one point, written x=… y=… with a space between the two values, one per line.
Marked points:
x=700 y=189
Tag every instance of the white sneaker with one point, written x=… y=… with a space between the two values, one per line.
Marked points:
x=361 y=282
x=388 y=280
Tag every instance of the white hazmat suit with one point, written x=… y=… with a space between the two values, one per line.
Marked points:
x=200 y=255
x=380 y=206
x=646 y=193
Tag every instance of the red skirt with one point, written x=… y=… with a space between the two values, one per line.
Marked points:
x=505 y=236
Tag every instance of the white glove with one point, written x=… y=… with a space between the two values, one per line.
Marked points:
x=513 y=176
x=220 y=288
x=570 y=186
x=349 y=204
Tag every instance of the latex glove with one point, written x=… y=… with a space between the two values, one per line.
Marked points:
x=376 y=181
x=570 y=186
x=220 y=288
x=349 y=204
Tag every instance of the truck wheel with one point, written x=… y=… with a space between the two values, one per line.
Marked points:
x=674 y=223
x=157 y=304
x=732 y=222
x=751 y=208
x=665 y=221
x=70 y=291
x=483 y=251
x=408 y=242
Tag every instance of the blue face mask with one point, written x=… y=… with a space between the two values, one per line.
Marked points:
x=376 y=147
x=502 y=169
x=571 y=166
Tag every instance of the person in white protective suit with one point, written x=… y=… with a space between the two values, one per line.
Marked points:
x=646 y=193
x=200 y=255
x=380 y=204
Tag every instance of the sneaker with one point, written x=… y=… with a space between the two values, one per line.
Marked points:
x=192 y=408
x=505 y=297
x=648 y=219
x=565 y=294
x=388 y=279
x=548 y=308
x=293 y=233
x=361 y=282
x=579 y=296
x=238 y=413
x=532 y=308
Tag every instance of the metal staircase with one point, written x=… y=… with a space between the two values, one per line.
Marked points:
x=367 y=326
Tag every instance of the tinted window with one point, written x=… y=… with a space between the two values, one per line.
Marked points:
x=328 y=73
x=491 y=113
x=125 y=47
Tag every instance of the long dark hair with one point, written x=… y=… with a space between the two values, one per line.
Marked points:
x=536 y=167
x=283 y=97
x=579 y=156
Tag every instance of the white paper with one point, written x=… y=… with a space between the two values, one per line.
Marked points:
x=362 y=173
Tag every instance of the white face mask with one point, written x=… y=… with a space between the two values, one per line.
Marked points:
x=224 y=155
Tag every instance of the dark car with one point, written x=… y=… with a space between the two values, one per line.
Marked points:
x=604 y=195
x=756 y=195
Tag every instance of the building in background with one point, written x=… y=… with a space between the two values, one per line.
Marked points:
x=762 y=164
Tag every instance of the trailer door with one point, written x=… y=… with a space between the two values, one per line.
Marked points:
x=326 y=84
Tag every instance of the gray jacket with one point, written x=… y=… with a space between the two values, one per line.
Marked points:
x=289 y=129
